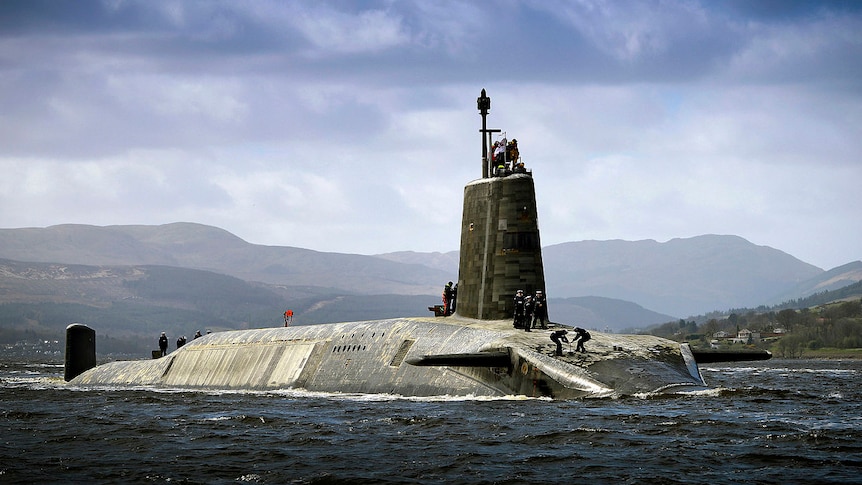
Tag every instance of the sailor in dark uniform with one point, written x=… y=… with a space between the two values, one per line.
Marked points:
x=520 y=306
x=447 y=299
x=540 y=311
x=454 y=304
x=163 y=344
x=582 y=336
x=558 y=338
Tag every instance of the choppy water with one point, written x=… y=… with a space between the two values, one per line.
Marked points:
x=767 y=422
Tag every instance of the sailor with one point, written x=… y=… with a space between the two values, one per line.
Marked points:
x=512 y=153
x=198 y=334
x=519 y=309
x=528 y=312
x=540 y=311
x=582 y=336
x=163 y=344
x=181 y=341
x=454 y=298
x=558 y=338
x=500 y=153
x=447 y=299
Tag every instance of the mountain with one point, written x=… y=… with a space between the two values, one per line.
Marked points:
x=132 y=304
x=137 y=302
x=606 y=314
x=447 y=262
x=831 y=280
x=680 y=277
x=197 y=246
x=135 y=297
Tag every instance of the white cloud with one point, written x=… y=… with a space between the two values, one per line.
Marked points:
x=217 y=99
x=333 y=31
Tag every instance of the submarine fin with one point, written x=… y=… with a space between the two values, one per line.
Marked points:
x=478 y=359
x=712 y=356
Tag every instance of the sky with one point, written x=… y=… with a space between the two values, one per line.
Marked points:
x=352 y=126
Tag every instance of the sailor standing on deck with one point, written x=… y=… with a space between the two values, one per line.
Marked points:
x=454 y=304
x=540 y=311
x=520 y=303
x=447 y=299
x=163 y=344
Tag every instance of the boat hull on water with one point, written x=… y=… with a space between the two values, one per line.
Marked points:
x=413 y=356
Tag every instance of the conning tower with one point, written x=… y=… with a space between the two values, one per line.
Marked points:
x=500 y=246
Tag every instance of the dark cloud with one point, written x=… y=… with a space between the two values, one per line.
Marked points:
x=786 y=10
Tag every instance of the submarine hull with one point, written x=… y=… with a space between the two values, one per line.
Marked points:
x=412 y=357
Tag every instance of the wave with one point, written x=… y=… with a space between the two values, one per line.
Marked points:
x=775 y=370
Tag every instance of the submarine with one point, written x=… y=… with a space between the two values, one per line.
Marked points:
x=474 y=351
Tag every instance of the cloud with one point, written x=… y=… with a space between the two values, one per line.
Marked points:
x=352 y=127
x=333 y=32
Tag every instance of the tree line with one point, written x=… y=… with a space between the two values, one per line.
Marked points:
x=788 y=332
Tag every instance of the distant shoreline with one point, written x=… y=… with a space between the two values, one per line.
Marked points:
x=832 y=354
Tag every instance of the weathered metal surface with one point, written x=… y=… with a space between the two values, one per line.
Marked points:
x=363 y=357
x=500 y=246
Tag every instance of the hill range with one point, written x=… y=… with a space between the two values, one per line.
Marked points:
x=135 y=279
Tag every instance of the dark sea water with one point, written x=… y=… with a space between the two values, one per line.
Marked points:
x=778 y=421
